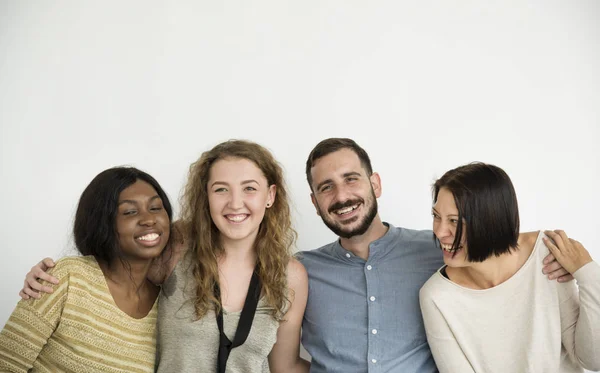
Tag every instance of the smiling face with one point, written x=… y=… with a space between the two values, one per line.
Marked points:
x=142 y=222
x=445 y=220
x=238 y=195
x=343 y=194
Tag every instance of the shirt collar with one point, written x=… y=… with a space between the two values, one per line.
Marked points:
x=377 y=248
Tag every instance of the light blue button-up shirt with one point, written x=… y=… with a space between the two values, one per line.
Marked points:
x=364 y=316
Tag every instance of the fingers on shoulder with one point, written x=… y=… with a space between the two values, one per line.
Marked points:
x=551 y=240
x=47 y=263
x=559 y=236
x=23 y=295
x=37 y=272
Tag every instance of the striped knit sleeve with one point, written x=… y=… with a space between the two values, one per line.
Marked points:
x=31 y=324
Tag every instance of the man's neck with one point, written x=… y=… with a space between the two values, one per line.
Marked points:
x=359 y=245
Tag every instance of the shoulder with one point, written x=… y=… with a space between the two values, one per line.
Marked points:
x=527 y=240
x=432 y=287
x=418 y=248
x=296 y=274
x=83 y=268
x=532 y=244
x=413 y=237
x=75 y=265
x=306 y=256
x=422 y=237
x=178 y=243
x=174 y=252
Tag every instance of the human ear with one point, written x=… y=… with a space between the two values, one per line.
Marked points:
x=376 y=184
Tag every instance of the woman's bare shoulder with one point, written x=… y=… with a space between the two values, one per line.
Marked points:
x=527 y=240
x=296 y=274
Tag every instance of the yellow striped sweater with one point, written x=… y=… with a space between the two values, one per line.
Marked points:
x=77 y=328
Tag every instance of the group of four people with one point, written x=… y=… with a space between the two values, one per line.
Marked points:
x=233 y=298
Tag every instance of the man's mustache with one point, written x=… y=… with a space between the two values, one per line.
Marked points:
x=341 y=205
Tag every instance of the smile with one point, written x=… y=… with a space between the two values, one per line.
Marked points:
x=237 y=218
x=346 y=210
x=148 y=237
x=448 y=248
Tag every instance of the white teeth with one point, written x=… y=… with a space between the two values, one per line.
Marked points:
x=449 y=248
x=148 y=237
x=346 y=210
x=236 y=218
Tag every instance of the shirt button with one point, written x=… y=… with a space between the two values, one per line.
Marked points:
x=374 y=361
x=369 y=267
x=372 y=299
x=374 y=331
x=347 y=255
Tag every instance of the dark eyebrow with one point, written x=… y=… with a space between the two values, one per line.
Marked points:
x=436 y=211
x=353 y=173
x=327 y=181
x=135 y=202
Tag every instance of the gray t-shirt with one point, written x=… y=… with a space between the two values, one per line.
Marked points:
x=188 y=345
x=364 y=316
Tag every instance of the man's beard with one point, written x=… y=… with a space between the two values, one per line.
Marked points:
x=364 y=225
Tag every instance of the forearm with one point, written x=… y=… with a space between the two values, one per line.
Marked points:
x=587 y=330
x=298 y=366
x=301 y=366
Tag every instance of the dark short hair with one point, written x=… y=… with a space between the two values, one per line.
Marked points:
x=334 y=144
x=487 y=203
x=95 y=230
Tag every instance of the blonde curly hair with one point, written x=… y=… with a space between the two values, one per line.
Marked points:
x=275 y=236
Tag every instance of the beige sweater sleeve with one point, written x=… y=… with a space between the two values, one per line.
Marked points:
x=30 y=326
x=580 y=317
x=447 y=353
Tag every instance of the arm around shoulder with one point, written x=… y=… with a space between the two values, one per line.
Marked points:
x=285 y=356
x=163 y=265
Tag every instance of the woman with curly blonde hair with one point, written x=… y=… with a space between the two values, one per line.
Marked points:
x=237 y=230
x=232 y=297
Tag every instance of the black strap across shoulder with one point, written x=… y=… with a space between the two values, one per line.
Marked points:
x=244 y=325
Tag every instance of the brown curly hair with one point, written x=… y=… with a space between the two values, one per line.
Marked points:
x=275 y=236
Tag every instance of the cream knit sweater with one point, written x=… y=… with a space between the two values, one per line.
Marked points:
x=526 y=324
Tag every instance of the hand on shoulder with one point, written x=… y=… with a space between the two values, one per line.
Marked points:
x=571 y=254
x=163 y=265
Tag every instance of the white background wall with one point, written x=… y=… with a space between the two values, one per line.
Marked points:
x=423 y=86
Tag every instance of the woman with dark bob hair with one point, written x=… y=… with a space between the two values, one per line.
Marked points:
x=101 y=316
x=490 y=308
